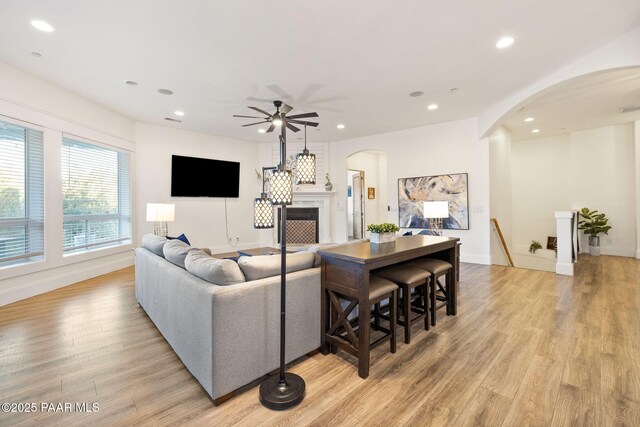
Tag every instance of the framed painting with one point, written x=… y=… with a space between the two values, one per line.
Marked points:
x=413 y=192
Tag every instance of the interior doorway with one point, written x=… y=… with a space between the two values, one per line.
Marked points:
x=355 y=204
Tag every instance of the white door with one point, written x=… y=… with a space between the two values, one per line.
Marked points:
x=358 y=205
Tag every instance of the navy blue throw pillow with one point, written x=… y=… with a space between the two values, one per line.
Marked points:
x=428 y=232
x=181 y=237
x=408 y=233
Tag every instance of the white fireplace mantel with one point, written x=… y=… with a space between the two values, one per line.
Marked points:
x=320 y=200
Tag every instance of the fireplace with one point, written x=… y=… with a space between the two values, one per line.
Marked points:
x=302 y=226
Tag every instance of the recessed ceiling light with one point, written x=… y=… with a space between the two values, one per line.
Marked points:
x=340 y=126
x=36 y=55
x=416 y=93
x=535 y=131
x=529 y=119
x=262 y=131
x=504 y=42
x=453 y=89
x=432 y=107
x=131 y=83
x=179 y=113
x=42 y=26
x=165 y=91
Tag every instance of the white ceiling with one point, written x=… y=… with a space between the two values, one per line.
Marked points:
x=586 y=102
x=354 y=62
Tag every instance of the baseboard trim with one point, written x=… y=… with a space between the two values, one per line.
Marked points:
x=475 y=259
x=66 y=275
x=564 y=269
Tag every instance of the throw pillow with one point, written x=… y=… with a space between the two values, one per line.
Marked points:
x=259 y=267
x=181 y=237
x=428 y=232
x=154 y=243
x=175 y=251
x=213 y=270
x=408 y=233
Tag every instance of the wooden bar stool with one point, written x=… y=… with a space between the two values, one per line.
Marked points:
x=341 y=328
x=409 y=278
x=437 y=268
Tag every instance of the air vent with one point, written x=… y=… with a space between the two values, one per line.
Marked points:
x=630 y=109
x=171 y=119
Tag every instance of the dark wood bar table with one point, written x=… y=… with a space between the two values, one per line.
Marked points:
x=346 y=269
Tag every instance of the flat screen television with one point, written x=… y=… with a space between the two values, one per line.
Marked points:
x=197 y=177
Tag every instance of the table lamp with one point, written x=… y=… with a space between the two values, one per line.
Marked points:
x=435 y=211
x=160 y=214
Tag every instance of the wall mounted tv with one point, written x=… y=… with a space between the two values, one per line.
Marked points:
x=197 y=177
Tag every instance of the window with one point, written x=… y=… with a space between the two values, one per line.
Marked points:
x=21 y=195
x=96 y=185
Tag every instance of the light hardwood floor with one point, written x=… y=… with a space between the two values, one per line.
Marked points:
x=527 y=348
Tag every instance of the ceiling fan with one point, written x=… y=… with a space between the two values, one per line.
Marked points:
x=276 y=119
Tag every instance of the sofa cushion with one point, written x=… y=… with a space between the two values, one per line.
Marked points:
x=154 y=243
x=175 y=251
x=214 y=270
x=259 y=267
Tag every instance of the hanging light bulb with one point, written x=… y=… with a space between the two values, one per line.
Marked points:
x=281 y=186
x=262 y=212
x=277 y=120
x=306 y=170
x=262 y=208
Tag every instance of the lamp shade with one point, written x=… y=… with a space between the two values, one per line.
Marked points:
x=438 y=209
x=262 y=212
x=306 y=167
x=281 y=187
x=161 y=212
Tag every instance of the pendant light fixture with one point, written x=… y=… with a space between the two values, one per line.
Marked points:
x=281 y=186
x=263 y=208
x=306 y=164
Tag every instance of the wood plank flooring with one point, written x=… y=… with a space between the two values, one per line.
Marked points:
x=527 y=348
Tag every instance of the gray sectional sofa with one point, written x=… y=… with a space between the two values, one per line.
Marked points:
x=222 y=318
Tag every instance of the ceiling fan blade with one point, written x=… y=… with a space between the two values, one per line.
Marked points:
x=303 y=116
x=292 y=127
x=256 y=123
x=260 y=111
x=271 y=128
x=248 y=117
x=286 y=108
x=279 y=91
x=302 y=122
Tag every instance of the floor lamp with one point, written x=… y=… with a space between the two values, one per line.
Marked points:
x=286 y=389
x=435 y=212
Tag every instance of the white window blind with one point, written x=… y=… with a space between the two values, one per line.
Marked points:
x=21 y=194
x=96 y=185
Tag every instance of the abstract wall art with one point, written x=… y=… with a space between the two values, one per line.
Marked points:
x=413 y=192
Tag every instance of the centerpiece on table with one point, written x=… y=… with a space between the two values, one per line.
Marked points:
x=382 y=233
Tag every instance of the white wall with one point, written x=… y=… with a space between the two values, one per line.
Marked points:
x=201 y=219
x=593 y=168
x=55 y=110
x=445 y=148
x=541 y=186
x=602 y=178
x=501 y=192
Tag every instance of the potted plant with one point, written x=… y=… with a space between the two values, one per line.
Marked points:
x=534 y=246
x=593 y=223
x=382 y=233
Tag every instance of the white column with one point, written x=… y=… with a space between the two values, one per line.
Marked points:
x=564 y=263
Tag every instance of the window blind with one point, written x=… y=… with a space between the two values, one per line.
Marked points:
x=96 y=185
x=21 y=194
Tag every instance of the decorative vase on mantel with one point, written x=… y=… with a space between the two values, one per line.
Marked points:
x=382 y=233
x=328 y=186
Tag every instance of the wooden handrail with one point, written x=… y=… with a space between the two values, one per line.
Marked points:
x=504 y=244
